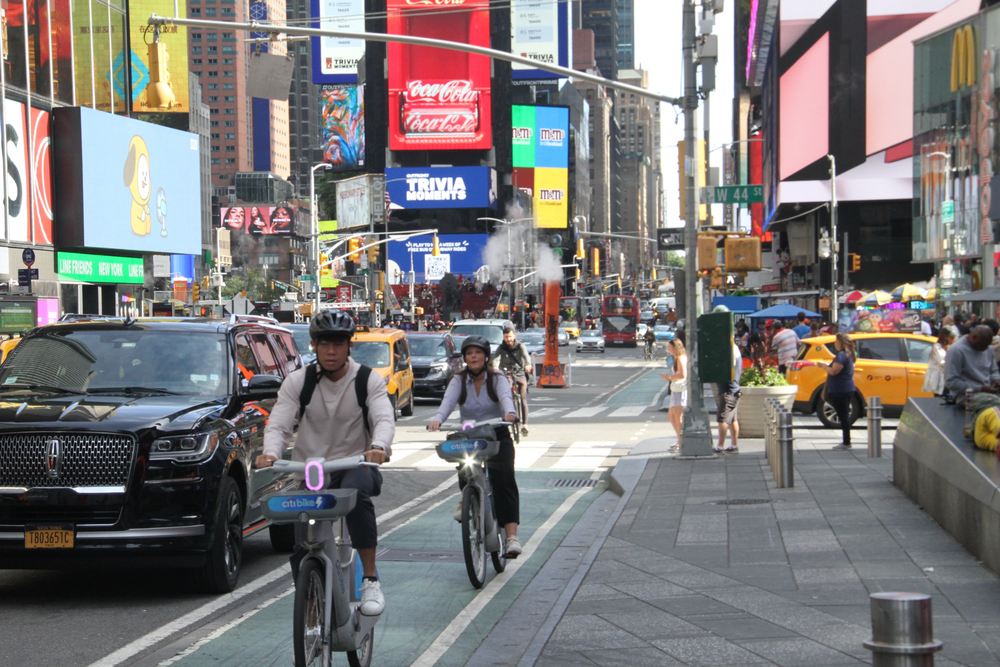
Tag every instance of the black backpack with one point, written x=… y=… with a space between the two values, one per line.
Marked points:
x=360 y=389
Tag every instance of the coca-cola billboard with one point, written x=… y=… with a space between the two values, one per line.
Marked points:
x=439 y=99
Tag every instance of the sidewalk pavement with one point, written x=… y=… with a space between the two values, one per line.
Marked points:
x=709 y=563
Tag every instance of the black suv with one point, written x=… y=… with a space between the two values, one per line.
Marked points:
x=130 y=442
x=435 y=358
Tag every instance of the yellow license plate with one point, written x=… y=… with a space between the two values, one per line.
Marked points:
x=48 y=537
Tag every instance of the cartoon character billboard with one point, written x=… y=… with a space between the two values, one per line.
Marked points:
x=127 y=184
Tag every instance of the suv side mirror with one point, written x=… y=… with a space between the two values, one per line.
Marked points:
x=264 y=386
x=402 y=364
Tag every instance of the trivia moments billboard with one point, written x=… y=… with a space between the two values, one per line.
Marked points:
x=541 y=161
x=439 y=99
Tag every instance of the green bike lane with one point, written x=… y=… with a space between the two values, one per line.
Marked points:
x=433 y=615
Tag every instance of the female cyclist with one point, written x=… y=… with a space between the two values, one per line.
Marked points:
x=481 y=393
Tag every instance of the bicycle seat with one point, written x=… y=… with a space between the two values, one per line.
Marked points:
x=289 y=507
x=458 y=451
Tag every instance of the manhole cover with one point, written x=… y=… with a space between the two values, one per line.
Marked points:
x=573 y=483
x=743 y=501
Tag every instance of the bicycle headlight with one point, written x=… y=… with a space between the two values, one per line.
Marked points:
x=187 y=448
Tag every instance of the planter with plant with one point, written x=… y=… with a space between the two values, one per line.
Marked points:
x=757 y=384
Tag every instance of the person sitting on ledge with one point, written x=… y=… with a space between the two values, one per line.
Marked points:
x=970 y=365
x=983 y=427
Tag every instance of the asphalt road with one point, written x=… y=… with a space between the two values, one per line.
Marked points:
x=122 y=617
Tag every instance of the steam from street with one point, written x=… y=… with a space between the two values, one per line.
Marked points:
x=511 y=252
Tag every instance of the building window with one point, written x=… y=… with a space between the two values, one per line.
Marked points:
x=214 y=73
x=230 y=98
x=215 y=49
x=195 y=12
x=230 y=135
x=214 y=111
x=269 y=260
x=212 y=37
x=213 y=98
x=227 y=86
x=196 y=50
x=215 y=160
x=227 y=61
x=226 y=11
x=215 y=149
x=209 y=11
x=228 y=37
x=230 y=123
x=196 y=61
x=213 y=61
x=213 y=86
x=230 y=160
x=228 y=74
x=229 y=49
x=230 y=149
x=195 y=36
x=213 y=123
x=229 y=112
x=214 y=135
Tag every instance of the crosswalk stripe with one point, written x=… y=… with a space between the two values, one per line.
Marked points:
x=628 y=411
x=585 y=412
x=545 y=412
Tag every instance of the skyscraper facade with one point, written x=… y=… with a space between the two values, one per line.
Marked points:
x=626 y=34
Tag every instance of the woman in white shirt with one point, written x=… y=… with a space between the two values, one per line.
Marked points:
x=481 y=394
x=678 y=388
x=934 y=378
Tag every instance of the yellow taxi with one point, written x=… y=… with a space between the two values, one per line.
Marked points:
x=572 y=328
x=8 y=345
x=386 y=352
x=889 y=365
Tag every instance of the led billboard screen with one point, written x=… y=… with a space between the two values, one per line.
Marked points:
x=262 y=220
x=461 y=254
x=335 y=59
x=343 y=109
x=442 y=187
x=540 y=31
x=540 y=138
x=126 y=184
x=176 y=41
x=29 y=174
x=439 y=99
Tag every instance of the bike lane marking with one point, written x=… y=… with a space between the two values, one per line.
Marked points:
x=156 y=636
x=447 y=639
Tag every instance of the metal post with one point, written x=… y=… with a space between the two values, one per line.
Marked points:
x=315 y=234
x=769 y=420
x=874 y=427
x=786 y=469
x=834 y=304
x=902 y=630
x=697 y=441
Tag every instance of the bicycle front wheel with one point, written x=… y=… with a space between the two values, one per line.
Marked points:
x=473 y=540
x=499 y=560
x=307 y=619
x=363 y=656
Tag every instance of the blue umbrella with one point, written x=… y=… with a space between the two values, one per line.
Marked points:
x=783 y=311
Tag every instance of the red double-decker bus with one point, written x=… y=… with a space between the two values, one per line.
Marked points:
x=619 y=319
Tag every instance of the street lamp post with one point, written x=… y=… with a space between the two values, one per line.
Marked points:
x=317 y=281
x=834 y=246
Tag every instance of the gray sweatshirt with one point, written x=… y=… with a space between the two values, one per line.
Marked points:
x=966 y=368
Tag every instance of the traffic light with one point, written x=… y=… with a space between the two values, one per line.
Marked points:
x=855 y=262
x=577 y=271
x=580 y=254
x=195 y=293
x=324 y=267
x=206 y=282
x=596 y=269
x=619 y=284
x=373 y=254
x=352 y=249
x=158 y=92
x=654 y=273
x=435 y=250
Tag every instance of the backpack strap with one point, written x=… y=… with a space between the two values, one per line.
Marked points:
x=361 y=389
x=308 y=387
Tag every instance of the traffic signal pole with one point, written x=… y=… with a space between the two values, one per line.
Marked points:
x=697 y=437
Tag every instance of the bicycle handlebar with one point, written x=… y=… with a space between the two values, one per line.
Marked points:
x=463 y=426
x=333 y=465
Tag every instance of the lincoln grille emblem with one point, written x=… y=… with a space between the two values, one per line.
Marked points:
x=53 y=458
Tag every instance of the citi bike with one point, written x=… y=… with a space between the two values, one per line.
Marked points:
x=470 y=445
x=326 y=616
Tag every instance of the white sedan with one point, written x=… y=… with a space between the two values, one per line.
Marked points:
x=590 y=339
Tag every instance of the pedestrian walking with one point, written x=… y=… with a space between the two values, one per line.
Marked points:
x=934 y=377
x=839 y=391
x=727 y=399
x=678 y=389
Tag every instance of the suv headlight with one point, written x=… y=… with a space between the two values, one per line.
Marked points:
x=439 y=368
x=189 y=448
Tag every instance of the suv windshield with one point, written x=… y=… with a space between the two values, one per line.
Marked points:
x=302 y=339
x=427 y=346
x=491 y=332
x=371 y=353
x=177 y=362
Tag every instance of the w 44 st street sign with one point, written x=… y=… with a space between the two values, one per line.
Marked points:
x=734 y=194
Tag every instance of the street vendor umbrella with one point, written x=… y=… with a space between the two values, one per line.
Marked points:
x=908 y=292
x=932 y=294
x=876 y=299
x=855 y=296
x=783 y=311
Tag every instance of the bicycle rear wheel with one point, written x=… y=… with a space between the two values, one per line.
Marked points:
x=473 y=540
x=307 y=619
x=363 y=656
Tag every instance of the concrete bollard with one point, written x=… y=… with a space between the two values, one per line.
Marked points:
x=785 y=470
x=874 y=427
x=902 y=631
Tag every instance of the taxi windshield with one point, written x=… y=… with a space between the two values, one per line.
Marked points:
x=371 y=353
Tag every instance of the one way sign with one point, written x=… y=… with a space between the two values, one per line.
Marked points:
x=670 y=239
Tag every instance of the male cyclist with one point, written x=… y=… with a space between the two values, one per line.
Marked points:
x=650 y=338
x=514 y=359
x=331 y=425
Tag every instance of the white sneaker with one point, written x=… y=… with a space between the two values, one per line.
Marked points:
x=458 y=512
x=513 y=549
x=372 y=601
x=524 y=430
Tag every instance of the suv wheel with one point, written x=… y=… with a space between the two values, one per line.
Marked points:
x=222 y=569
x=828 y=415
